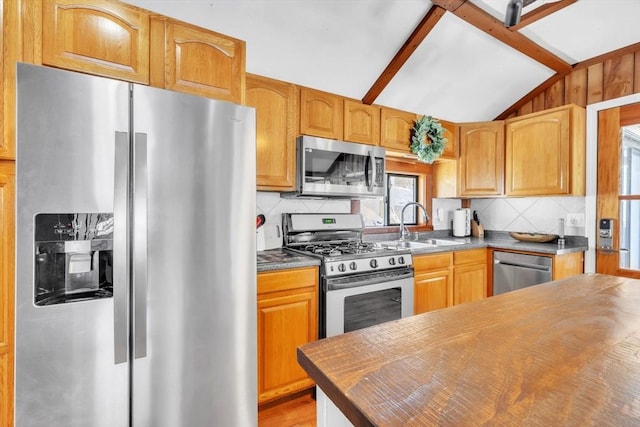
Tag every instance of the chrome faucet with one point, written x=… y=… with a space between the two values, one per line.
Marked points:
x=403 y=229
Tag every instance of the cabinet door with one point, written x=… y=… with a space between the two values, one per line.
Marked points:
x=284 y=323
x=287 y=318
x=432 y=291
x=99 y=37
x=433 y=282
x=202 y=62
x=451 y=146
x=469 y=283
x=395 y=129
x=321 y=114
x=276 y=118
x=481 y=166
x=538 y=155
x=361 y=122
x=7 y=206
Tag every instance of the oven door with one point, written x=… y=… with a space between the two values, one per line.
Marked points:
x=358 y=301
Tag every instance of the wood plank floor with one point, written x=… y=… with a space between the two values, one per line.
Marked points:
x=297 y=412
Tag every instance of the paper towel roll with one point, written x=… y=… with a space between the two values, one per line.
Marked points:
x=462 y=222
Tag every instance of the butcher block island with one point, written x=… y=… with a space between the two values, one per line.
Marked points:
x=561 y=353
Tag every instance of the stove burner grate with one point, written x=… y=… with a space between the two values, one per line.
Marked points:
x=343 y=248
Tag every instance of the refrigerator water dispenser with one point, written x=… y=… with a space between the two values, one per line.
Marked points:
x=73 y=257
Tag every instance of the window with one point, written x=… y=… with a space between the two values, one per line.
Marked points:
x=400 y=190
x=630 y=198
x=405 y=182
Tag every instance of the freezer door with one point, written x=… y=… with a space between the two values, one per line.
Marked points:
x=195 y=293
x=66 y=373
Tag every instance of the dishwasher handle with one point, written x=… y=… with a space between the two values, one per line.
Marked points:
x=545 y=268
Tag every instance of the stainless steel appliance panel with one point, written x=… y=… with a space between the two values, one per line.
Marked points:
x=329 y=167
x=200 y=364
x=65 y=371
x=513 y=271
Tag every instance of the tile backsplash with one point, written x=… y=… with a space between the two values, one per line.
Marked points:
x=523 y=214
x=529 y=214
x=272 y=206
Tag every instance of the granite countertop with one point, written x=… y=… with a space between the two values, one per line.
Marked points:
x=561 y=353
x=492 y=239
x=279 y=259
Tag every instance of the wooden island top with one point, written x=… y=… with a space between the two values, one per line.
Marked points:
x=564 y=353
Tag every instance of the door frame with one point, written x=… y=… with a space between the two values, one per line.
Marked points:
x=591 y=167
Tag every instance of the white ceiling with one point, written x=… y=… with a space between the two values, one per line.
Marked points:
x=458 y=73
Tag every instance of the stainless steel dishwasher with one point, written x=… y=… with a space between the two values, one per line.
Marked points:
x=515 y=271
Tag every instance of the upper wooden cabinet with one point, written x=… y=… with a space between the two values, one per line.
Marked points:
x=481 y=168
x=101 y=37
x=276 y=105
x=361 y=122
x=191 y=59
x=395 y=129
x=451 y=146
x=321 y=114
x=545 y=153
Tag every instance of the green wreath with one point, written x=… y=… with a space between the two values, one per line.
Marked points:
x=427 y=140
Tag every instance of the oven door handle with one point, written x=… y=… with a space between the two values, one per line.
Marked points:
x=345 y=282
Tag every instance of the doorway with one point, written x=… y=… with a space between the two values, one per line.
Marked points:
x=618 y=191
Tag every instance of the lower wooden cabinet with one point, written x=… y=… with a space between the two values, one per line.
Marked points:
x=287 y=318
x=7 y=230
x=469 y=275
x=433 y=282
x=449 y=278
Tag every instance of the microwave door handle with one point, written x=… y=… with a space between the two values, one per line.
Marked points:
x=372 y=170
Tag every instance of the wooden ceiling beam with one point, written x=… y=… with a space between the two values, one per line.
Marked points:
x=541 y=12
x=417 y=36
x=480 y=19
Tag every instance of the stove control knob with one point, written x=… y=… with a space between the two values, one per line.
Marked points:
x=392 y=261
x=400 y=260
x=342 y=268
x=353 y=265
x=373 y=263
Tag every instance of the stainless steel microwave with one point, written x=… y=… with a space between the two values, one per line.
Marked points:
x=331 y=168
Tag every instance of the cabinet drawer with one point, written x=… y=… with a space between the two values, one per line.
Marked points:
x=431 y=262
x=282 y=280
x=468 y=257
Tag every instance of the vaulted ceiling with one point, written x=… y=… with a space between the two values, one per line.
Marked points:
x=452 y=59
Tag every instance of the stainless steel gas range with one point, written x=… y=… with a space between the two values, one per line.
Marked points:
x=361 y=283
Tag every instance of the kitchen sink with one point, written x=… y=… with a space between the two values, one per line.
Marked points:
x=405 y=244
x=411 y=244
x=443 y=242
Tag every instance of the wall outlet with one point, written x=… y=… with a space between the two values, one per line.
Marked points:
x=575 y=219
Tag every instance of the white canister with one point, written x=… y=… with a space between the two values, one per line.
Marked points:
x=462 y=222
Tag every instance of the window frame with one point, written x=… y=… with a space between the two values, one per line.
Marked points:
x=424 y=172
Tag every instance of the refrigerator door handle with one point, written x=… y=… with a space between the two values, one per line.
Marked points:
x=140 y=245
x=121 y=249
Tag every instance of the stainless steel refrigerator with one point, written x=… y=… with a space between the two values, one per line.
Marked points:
x=135 y=255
